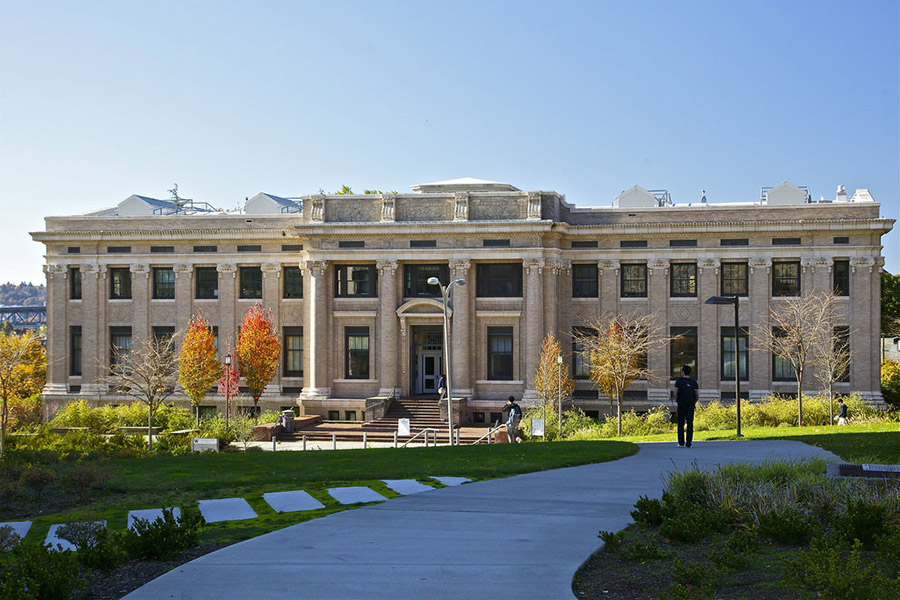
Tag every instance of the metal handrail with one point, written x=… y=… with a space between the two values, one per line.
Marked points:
x=489 y=434
x=426 y=430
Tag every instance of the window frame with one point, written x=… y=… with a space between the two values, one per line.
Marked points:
x=116 y=355
x=674 y=281
x=641 y=293
x=412 y=280
x=585 y=286
x=288 y=334
x=361 y=332
x=499 y=280
x=75 y=351
x=685 y=333
x=120 y=277
x=840 y=278
x=743 y=358
x=156 y=283
x=782 y=369
x=343 y=278
x=197 y=283
x=581 y=368
x=506 y=370
x=745 y=280
x=298 y=279
x=781 y=284
x=75 y=283
x=250 y=283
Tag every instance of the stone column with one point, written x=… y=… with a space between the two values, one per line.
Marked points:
x=759 y=301
x=551 y=300
x=227 y=300
x=708 y=330
x=184 y=296
x=388 y=334
x=315 y=331
x=609 y=286
x=864 y=327
x=57 y=334
x=658 y=358
x=271 y=300
x=140 y=304
x=461 y=328
x=533 y=323
x=93 y=329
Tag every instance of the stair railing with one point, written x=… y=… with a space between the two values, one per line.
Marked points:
x=489 y=435
x=425 y=431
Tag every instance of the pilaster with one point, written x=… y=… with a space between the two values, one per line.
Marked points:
x=315 y=330
x=864 y=325
x=760 y=298
x=388 y=334
x=140 y=304
x=461 y=326
x=57 y=336
x=533 y=322
x=609 y=286
x=707 y=327
x=227 y=306
x=184 y=295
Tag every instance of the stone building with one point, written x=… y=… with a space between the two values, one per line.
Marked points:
x=345 y=278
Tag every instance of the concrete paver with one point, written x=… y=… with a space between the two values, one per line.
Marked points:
x=150 y=514
x=226 y=509
x=355 y=494
x=57 y=543
x=294 y=501
x=518 y=537
x=452 y=480
x=407 y=486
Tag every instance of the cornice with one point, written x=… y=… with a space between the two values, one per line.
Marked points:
x=161 y=234
x=682 y=228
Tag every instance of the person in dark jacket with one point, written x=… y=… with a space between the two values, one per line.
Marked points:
x=841 y=418
x=686 y=391
x=512 y=423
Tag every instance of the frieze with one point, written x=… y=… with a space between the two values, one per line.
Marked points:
x=423 y=209
x=352 y=210
x=495 y=209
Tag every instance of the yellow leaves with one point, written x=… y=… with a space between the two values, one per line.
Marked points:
x=198 y=366
x=258 y=350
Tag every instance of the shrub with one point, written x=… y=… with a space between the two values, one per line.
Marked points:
x=270 y=416
x=890 y=382
x=9 y=539
x=9 y=489
x=81 y=478
x=838 y=570
x=36 y=572
x=215 y=428
x=24 y=413
x=697 y=575
x=174 y=445
x=715 y=417
x=689 y=524
x=37 y=478
x=98 y=547
x=646 y=548
x=612 y=541
x=649 y=512
x=864 y=520
x=165 y=537
x=787 y=526
x=743 y=541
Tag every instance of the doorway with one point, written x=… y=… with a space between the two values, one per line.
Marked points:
x=427 y=358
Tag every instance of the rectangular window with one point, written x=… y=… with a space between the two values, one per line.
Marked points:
x=349 y=415
x=843 y=239
x=75 y=351
x=163 y=283
x=682 y=350
x=585 y=283
x=250 y=248
x=74 y=250
x=500 y=353
x=334 y=415
x=293 y=282
x=584 y=243
x=842 y=343
x=633 y=244
x=728 y=353
x=251 y=282
x=75 y=283
x=581 y=366
x=293 y=352
x=734 y=279
x=734 y=242
x=499 y=280
x=352 y=244
x=786 y=279
x=291 y=247
x=162 y=249
x=634 y=281
x=682 y=243
x=415 y=280
x=785 y=241
x=119 y=345
x=841 y=275
x=423 y=243
x=215 y=333
x=495 y=243
x=207 y=281
x=355 y=280
x=684 y=280
x=782 y=369
x=356 y=342
x=163 y=332
x=478 y=416
x=202 y=249
x=119 y=250
x=120 y=283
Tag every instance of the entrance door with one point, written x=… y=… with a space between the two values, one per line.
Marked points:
x=430 y=362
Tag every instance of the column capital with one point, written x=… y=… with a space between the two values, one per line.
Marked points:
x=658 y=264
x=862 y=261
x=708 y=263
x=460 y=265
x=534 y=265
x=51 y=270
x=95 y=269
x=608 y=265
x=269 y=268
x=227 y=268
x=384 y=266
x=562 y=265
x=759 y=263
x=182 y=268
x=135 y=269
x=316 y=268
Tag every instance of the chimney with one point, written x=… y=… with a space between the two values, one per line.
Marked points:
x=841 y=194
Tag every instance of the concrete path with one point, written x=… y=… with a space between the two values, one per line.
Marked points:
x=517 y=537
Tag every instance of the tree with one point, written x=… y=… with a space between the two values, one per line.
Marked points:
x=23 y=372
x=618 y=353
x=147 y=373
x=344 y=191
x=890 y=382
x=890 y=304
x=258 y=350
x=833 y=356
x=198 y=366
x=801 y=327
x=551 y=381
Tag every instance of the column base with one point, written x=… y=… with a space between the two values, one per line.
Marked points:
x=391 y=392
x=315 y=394
x=531 y=396
x=54 y=389
x=92 y=389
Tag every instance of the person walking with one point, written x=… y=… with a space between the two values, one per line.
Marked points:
x=841 y=417
x=512 y=423
x=686 y=397
x=442 y=386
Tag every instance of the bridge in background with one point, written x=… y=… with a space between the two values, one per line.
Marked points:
x=24 y=317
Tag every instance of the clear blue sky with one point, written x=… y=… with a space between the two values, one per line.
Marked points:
x=102 y=99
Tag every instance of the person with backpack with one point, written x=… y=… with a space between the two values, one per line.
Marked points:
x=512 y=423
x=686 y=394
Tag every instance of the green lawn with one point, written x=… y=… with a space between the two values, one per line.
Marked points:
x=183 y=480
x=879 y=443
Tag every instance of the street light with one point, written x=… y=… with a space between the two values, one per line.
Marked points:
x=445 y=291
x=737 y=356
x=227 y=386
x=559 y=390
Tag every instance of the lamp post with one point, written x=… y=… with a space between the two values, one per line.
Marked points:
x=227 y=386
x=445 y=294
x=737 y=355
x=559 y=390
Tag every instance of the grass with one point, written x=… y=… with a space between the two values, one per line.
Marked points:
x=139 y=483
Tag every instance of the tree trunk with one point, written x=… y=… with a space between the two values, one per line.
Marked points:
x=619 y=415
x=799 y=397
x=197 y=412
x=3 y=428
x=150 y=429
x=830 y=403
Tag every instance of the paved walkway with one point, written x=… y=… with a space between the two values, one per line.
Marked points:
x=517 y=537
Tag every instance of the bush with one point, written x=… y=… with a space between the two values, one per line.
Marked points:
x=270 y=416
x=37 y=478
x=864 y=520
x=165 y=537
x=646 y=548
x=838 y=570
x=38 y=573
x=24 y=413
x=9 y=539
x=174 y=445
x=612 y=541
x=97 y=546
x=81 y=478
x=786 y=526
x=890 y=382
x=715 y=417
x=215 y=428
x=649 y=512
x=689 y=523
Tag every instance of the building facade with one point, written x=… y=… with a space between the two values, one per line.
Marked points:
x=345 y=278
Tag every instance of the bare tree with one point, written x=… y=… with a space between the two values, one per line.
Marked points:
x=147 y=373
x=800 y=326
x=552 y=380
x=832 y=360
x=618 y=352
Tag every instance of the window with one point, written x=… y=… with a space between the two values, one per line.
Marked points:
x=843 y=239
x=496 y=417
x=291 y=247
x=163 y=283
x=119 y=250
x=500 y=353
x=478 y=416
x=584 y=281
x=633 y=244
x=728 y=353
x=215 y=333
x=251 y=248
x=293 y=282
x=293 y=352
x=581 y=367
x=423 y=243
x=73 y=250
x=634 y=281
x=119 y=345
x=499 y=280
x=584 y=243
x=352 y=244
x=785 y=241
x=207 y=279
x=334 y=415
x=162 y=249
x=120 y=283
x=251 y=282
x=682 y=350
x=841 y=275
x=205 y=249
x=349 y=415
x=356 y=342
x=682 y=243
x=734 y=242
x=75 y=351
x=734 y=279
x=355 y=280
x=415 y=279
x=782 y=369
x=75 y=283
x=842 y=344
x=163 y=332
x=495 y=243
x=786 y=279
x=684 y=280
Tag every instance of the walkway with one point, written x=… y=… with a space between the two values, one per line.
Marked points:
x=517 y=537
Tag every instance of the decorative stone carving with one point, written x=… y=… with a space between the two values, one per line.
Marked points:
x=534 y=265
x=758 y=263
x=387 y=208
x=385 y=265
x=293 y=314
x=135 y=269
x=562 y=265
x=608 y=265
x=423 y=209
x=227 y=268
x=809 y=263
x=52 y=270
x=495 y=209
x=460 y=267
x=181 y=268
x=534 y=206
x=657 y=265
x=92 y=269
x=316 y=268
x=269 y=268
x=352 y=210
x=862 y=261
x=461 y=206
x=317 y=209
x=708 y=263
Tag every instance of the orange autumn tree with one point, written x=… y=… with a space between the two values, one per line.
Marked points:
x=23 y=371
x=198 y=366
x=551 y=380
x=258 y=350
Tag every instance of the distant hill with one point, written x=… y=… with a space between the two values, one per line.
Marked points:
x=22 y=294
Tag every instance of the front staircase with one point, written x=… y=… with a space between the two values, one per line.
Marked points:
x=422 y=413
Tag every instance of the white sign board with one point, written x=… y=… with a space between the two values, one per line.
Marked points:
x=537 y=427
x=204 y=445
x=403 y=427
